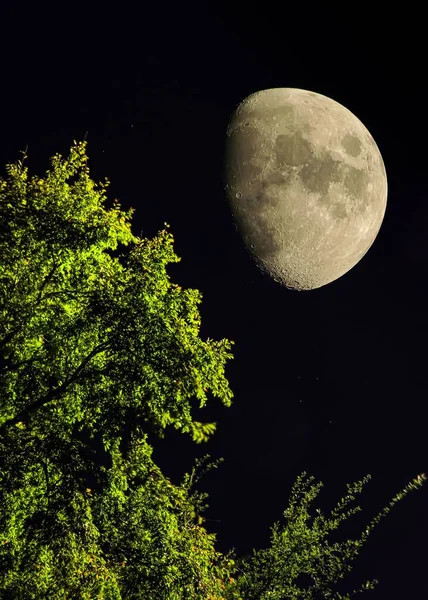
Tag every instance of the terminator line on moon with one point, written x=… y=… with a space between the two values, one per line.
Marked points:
x=306 y=184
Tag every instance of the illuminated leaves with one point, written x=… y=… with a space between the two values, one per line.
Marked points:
x=89 y=338
x=202 y=431
x=89 y=341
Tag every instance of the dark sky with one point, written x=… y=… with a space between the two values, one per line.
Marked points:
x=331 y=381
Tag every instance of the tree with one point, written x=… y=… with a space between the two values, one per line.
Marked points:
x=89 y=344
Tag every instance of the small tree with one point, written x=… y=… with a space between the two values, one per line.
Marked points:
x=91 y=345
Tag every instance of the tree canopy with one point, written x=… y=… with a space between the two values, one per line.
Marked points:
x=91 y=343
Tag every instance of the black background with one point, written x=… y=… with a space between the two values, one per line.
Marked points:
x=332 y=381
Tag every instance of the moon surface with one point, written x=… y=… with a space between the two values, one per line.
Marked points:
x=306 y=184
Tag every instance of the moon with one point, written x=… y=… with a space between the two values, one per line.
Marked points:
x=306 y=185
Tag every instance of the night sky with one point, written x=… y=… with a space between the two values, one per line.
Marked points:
x=330 y=381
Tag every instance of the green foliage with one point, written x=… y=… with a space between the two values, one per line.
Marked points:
x=300 y=549
x=90 y=343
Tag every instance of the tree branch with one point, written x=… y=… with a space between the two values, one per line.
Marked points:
x=38 y=301
x=54 y=393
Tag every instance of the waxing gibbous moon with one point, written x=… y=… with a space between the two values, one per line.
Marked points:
x=306 y=184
